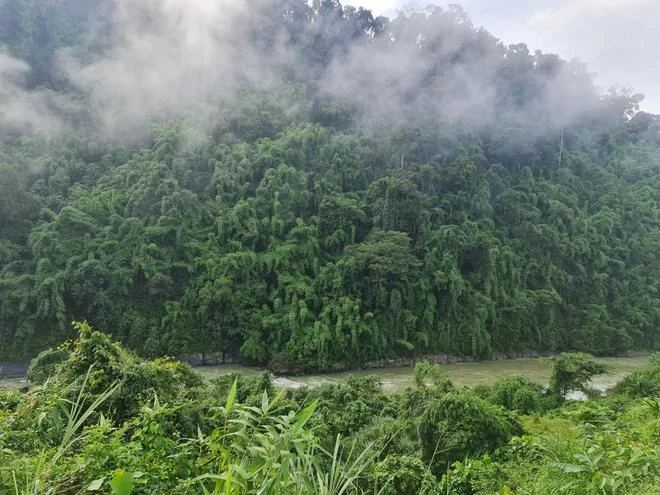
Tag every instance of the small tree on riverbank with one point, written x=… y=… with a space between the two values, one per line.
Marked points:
x=573 y=371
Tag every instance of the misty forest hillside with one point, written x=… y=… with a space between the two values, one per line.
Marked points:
x=307 y=186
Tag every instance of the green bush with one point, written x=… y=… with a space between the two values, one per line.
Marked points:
x=516 y=393
x=572 y=371
x=94 y=357
x=45 y=364
x=460 y=425
x=404 y=475
x=643 y=383
x=429 y=374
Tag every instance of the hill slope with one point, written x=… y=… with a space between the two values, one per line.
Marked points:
x=323 y=187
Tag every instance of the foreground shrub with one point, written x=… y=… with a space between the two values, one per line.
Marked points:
x=104 y=363
x=643 y=383
x=459 y=425
x=45 y=364
x=572 y=371
x=404 y=475
x=516 y=393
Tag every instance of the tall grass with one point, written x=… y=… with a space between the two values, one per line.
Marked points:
x=38 y=476
x=260 y=451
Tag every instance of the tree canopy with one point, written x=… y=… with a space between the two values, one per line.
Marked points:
x=481 y=199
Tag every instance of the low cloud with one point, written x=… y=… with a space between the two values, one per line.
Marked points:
x=25 y=111
x=616 y=38
x=435 y=63
x=165 y=59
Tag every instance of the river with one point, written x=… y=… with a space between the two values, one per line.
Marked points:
x=461 y=374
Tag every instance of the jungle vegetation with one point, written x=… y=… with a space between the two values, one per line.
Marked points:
x=297 y=227
x=100 y=420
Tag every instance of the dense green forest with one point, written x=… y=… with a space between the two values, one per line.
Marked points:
x=400 y=187
x=98 y=419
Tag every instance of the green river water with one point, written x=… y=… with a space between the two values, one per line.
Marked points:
x=461 y=374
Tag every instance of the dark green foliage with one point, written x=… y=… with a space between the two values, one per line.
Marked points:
x=294 y=229
x=262 y=274
x=45 y=364
x=460 y=424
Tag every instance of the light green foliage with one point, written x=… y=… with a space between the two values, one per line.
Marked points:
x=609 y=457
x=261 y=450
x=643 y=383
x=334 y=439
x=250 y=388
x=122 y=483
x=405 y=475
x=265 y=448
x=604 y=446
x=609 y=471
x=474 y=476
x=516 y=393
x=41 y=473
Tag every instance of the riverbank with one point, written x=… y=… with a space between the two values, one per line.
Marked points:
x=462 y=374
x=398 y=378
x=201 y=361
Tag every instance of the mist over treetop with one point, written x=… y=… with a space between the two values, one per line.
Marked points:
x=129 y=63
x=305 y=186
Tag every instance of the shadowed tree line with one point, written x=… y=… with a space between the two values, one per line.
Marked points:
x=310 y=236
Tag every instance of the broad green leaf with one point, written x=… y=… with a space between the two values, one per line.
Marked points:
x=95 y=485
x=231 y=398
x=570 y=468
x=122 y=483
